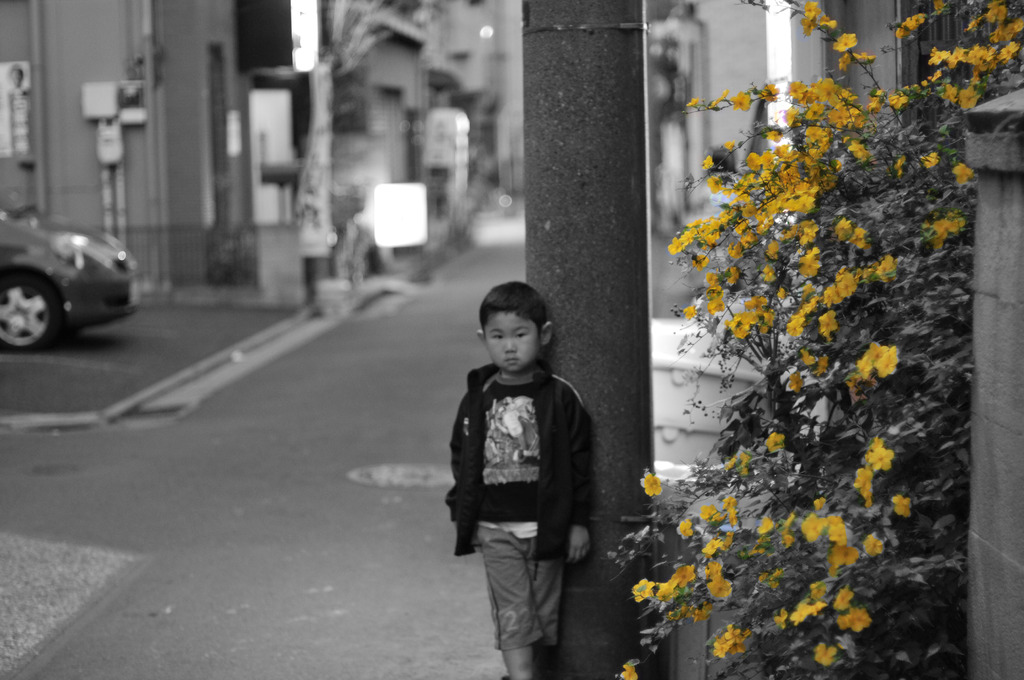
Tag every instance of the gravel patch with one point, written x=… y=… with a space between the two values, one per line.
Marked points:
x=43 y=586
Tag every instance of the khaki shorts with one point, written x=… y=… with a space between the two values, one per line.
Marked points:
x=525 y=593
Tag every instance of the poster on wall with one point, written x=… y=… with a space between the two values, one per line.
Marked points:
x=15 y=86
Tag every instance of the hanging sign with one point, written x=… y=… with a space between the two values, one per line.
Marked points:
x=15 y=85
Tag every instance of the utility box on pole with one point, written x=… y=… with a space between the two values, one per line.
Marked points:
x=587 y=252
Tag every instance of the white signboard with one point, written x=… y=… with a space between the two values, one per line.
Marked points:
x=446 y=139
x=400 y=215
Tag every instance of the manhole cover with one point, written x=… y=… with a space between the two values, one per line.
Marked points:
x=403 y=475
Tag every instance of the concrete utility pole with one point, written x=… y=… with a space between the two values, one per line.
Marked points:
x=587 y=251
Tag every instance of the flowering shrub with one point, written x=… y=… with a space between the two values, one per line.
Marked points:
x=828 y=529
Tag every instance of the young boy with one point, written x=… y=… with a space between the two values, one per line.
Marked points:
x=521 y=460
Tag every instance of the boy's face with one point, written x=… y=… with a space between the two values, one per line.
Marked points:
x=514 y=343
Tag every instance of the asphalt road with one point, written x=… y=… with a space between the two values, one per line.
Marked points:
x=292 y=527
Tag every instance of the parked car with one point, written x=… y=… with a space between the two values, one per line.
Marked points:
x=55 y=279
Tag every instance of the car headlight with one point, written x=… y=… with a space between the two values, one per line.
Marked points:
x=78 y=250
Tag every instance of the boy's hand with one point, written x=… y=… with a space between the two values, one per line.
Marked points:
x=579 y=543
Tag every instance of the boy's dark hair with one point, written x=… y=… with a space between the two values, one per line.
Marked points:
x=516 y=297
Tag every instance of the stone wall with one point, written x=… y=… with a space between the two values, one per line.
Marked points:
x=995 y=151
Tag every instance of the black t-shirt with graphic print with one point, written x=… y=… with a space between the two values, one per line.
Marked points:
x=511 y=454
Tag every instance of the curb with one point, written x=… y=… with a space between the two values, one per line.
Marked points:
x=266 y=345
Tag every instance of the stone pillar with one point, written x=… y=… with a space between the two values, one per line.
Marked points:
x=587 y=252
x=995 y=150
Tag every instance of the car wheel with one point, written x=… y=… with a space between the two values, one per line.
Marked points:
x=30 y=312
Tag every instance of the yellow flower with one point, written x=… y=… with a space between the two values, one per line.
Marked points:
x=827 y=325
x=825 y=654
x=805 y=609
x=812 y=527
x=811 y=10
x=628 y=672
x=857 y=619
x=690 y=312
x=863 y=485
x=844 y=229
x=878 y=456
x=931 y=160
x=897 y=167
x=836 y=529
x=809 y=263
x=878 y=359
x=859 y=151
x=731 y=641
x=730 y=505
x=780 y=618
x=910 y=25
x=775 y=441
x=843 y=599
x=685 y=574
x=766 y=525
x=841 y=556
x=996 y=11
x=720 y=588
x=963 y=173
x=717 y=586
x=937 y=229
x=686 y=528
x=741 y=102
x=702 y=613
x=860 y=238
x=901 y=505
x=968 y=98
x=713 y=546
x=708 y=163
x=666 y=590
x=885 y=269
x=796 y=381
x=652 y=485
x=873 y=546
x=819 y=503
x=711 y=514
x=818 y=589
x=847 y=41
x=898 y=101
x=643 y=590
x=773 y=579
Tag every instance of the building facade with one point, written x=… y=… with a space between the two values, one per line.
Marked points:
x=180 y=126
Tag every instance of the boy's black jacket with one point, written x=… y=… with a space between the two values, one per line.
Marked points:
x=563 y=495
